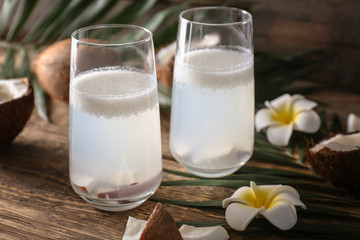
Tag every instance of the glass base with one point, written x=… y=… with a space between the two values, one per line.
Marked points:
x=211 y=173
x=114 y=205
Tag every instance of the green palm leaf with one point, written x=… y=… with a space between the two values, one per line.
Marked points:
x=162 y=16
x=46 y=22
x=95 y=12
x=40 y=100
x=57 y=24
x=134 y=10
x=8 y=68
x=24 y=10
x=6 y=11
x=24 y=68
x=75 y=8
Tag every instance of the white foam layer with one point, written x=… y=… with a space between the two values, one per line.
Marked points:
x=217 y=68
x=113 y=92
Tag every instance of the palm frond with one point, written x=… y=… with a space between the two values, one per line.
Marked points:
x=46 y=22
x=24 y=68
x=8 y=68
x=93 y=14
x=24 y=11
x=60 y=24
x=57 y=24
x=134 y=10
x=6 y=12
x=40 y=99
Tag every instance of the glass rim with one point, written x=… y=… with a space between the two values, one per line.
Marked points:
x=75 y=34
x=242 y=11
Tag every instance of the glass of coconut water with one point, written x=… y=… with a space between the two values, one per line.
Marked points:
x=115 y=143
x=212 y=115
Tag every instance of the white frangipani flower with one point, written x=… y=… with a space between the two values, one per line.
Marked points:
x=275 y=202
x=353 y=123
x=285 y=114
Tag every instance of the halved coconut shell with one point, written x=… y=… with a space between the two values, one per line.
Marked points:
x=15 y=111
x=337 y=159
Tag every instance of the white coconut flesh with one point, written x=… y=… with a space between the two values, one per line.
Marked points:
x=340 y=143
x=135 y=227
x=11 y=89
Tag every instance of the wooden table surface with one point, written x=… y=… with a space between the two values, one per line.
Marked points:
x=37 y=201
x=36 y=198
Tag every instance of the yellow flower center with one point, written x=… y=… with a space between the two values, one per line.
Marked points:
x=284 y=116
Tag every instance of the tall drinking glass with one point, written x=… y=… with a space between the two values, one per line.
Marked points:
x=212 y=115
x=115 y=143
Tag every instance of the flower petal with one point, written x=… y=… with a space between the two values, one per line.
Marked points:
x=238 y=215
x=285 y=193
x=281 y=214
x=290 y=197
x=353 y=123
x=261 y=192
x=301 y=104
x=242 y=195
x=263 y=119
x=279 y=135
x=279 y=102
x=307 y=121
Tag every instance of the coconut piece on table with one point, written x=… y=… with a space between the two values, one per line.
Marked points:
x=134 y=228
x=338 y=159
x=203 y=233
x=213 y=157
x=160 y=226
x=16 y=105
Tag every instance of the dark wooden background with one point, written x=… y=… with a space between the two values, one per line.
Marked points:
x=36 y=199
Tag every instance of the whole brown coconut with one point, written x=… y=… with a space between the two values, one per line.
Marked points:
x=165 y=58
x=338 y=160
x=52 y=68
x=15 y=111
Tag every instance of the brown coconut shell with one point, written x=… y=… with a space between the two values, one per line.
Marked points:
x=342 y=168
x=52 y=67
x=14 y=114
x=165 y=70
x=160 y=225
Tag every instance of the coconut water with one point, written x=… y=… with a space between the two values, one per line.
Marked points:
x=115 y=143
x=212 y=117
